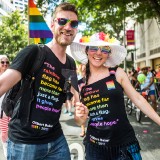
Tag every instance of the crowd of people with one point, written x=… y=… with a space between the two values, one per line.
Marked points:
x=147 y=80
x=98 y=104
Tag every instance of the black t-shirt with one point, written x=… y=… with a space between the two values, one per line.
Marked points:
x=48 y=93
x=108 y=124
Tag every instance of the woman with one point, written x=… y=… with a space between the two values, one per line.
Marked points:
x=109 y=135
x=4 y=64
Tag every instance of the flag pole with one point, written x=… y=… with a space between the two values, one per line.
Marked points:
x=28 y=22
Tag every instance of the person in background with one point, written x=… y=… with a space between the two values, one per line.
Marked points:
x=158 y=73
x=129 y=74
x=42 y=136
x=109 y=135
x=69 y=97
x=149 y=86
x=4 y=120
x=134 y=80
x=153 y=71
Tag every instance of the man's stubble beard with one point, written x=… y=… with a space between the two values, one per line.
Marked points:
x=62 y=42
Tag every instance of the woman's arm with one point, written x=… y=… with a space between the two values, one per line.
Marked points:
x=135 y=97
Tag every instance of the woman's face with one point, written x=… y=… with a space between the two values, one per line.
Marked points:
x=97 y=56
x=4 y=64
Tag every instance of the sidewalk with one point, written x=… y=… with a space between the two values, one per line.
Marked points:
x=1 y=152
x=71 y=131
x=147 y=132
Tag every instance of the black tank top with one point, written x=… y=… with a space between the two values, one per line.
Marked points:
x=108 y=124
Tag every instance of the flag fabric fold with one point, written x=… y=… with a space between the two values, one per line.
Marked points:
x=38 y=28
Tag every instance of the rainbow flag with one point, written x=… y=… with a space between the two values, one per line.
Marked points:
x=38 y=28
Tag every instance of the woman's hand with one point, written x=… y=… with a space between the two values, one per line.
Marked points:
x=81 y=113
x=81 y=110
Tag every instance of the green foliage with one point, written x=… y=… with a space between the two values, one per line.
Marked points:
x=47 y=6
x=100 y=9
x=13 y=35
x=109 y=15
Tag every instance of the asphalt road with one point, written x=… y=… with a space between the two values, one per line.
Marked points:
x=147 y=132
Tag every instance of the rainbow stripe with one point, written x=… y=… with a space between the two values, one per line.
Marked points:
x=38 y=28
x=110 y=85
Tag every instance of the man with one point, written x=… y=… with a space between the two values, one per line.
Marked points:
x=42 y=137
x=149 y=86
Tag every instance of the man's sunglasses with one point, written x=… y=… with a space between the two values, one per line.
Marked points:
x=103 y=49
x=3 y=62
x=64 y=21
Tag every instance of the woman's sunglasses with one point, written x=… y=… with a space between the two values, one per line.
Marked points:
x=4 y=62
x=103 y=49
x=64 y=21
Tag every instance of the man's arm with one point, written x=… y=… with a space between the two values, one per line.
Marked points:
x=8 y=79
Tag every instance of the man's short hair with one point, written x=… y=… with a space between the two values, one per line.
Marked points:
x=65 y=6
x=144 y=68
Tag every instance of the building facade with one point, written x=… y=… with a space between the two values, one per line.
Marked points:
x=147 y=44
x=20 y=4
x=5 y=8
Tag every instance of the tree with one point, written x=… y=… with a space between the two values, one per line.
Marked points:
x=110 y=15
x=13 y=34
x=47 y=6
x=97 y=10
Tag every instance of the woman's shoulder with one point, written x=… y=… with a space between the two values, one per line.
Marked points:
x=120 y=70
x=120 y=74
x=116 y=70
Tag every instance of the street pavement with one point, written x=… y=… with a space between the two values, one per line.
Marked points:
x=147 y=132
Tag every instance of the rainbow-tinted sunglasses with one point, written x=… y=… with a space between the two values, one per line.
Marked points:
x=103 y=49
x=64 y=21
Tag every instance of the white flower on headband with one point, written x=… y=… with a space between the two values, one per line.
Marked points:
x=94 y=37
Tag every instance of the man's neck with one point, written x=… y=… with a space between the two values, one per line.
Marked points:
x=58 y=50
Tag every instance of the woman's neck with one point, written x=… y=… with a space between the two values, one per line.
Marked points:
x=97 y=74
x=98 y=70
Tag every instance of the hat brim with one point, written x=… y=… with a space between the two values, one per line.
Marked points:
x=118 y=52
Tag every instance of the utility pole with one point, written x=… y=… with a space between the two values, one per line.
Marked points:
x=124 y=38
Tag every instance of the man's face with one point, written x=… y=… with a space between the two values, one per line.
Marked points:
x=64 y=34
x=145 y=70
